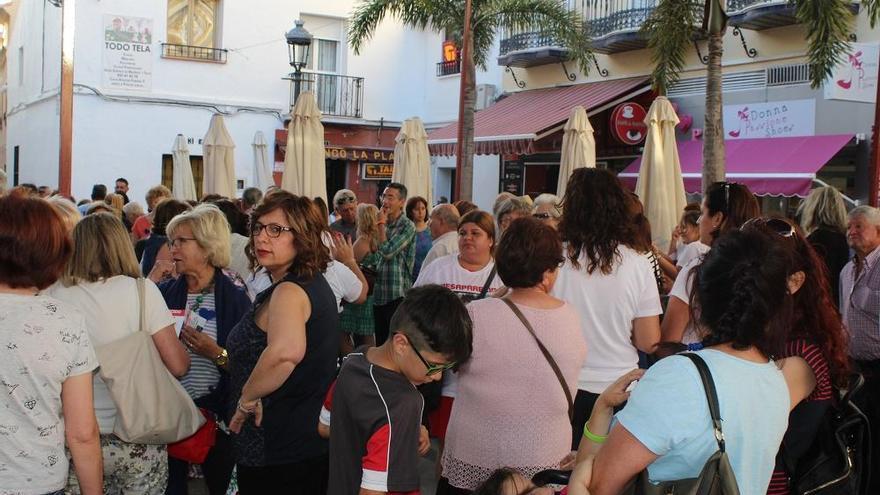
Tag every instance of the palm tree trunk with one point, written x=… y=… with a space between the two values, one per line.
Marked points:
x=467 y=159
x=713 y=133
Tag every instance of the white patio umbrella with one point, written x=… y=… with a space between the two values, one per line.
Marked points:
x=412 y=161
x=262 y=171
x=183 y=186
x=304 y=168
x=578 y=147
x=219 y=164
x=660 y=185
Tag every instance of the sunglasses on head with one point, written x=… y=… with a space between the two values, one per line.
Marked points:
x=431 y=368
x=345 y=199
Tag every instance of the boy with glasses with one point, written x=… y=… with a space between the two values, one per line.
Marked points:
x=377 y=436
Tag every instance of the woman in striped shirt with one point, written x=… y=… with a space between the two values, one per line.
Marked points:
x=213 y=300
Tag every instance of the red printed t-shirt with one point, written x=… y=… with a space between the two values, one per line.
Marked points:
x=374 y=435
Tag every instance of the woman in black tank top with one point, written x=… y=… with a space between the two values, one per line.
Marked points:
x=282 y=354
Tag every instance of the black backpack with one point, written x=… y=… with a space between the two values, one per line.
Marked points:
x=839 y=460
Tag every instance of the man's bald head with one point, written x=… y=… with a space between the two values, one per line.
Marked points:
x=444 y=218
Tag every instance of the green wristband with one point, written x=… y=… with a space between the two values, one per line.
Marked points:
x=593 y=437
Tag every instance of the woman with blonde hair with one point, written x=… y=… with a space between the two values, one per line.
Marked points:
x=116 y=202
x=356 y=320
x=70 y=214
x=823 y=217
x=199 y=242
x=100 y=280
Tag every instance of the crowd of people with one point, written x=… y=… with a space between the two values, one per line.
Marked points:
x=329 y=345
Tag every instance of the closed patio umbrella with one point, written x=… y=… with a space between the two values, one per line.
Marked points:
x=660 y=185
x=412 y=160
x=262 y=173
x=219 y=150
x=304 y=168
x=578 y=147
x=183 y=187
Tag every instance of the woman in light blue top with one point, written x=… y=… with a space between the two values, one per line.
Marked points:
x=743 y=289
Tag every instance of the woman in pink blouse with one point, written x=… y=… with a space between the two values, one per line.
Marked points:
x=511 y=409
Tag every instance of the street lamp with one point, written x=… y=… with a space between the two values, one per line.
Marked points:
x=299 y=41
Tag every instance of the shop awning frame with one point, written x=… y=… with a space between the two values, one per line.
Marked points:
x=784 y=166
x=548 y=108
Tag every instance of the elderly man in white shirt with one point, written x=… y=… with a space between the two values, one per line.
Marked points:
x=444 y=230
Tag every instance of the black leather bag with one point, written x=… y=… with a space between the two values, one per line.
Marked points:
x=839 y=460
x=717 y=476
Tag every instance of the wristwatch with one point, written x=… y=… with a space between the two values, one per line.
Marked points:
x=222 y=358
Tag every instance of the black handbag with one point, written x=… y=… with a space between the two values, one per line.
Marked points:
x=717 y=476
x=838 y=461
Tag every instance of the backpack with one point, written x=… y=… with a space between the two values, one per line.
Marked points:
x=839 y=459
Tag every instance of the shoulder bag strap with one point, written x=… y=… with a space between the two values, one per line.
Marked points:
x=485 y=289
x=142 y=324
x=711 y=395
x=545 y=352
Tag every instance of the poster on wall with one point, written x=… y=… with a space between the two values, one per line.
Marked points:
x=770 y=120
x=128 y=57
x=855 y=77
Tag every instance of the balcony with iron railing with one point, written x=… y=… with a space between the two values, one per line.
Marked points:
x=197 y=53
x=448 y=68
x=527 y=49
x=337 y=95
x=758 y=15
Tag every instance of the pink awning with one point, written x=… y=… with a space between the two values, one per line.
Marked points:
x=514 y=123
x=784 y=166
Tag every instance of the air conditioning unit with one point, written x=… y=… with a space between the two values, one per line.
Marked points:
x=485 y=96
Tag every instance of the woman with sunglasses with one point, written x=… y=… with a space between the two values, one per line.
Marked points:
x=282 y=354
x=511 y=409
x=726 y=206
x=547 y=208
x=815 y=356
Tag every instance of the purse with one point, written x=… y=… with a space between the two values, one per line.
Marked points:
x=546 y=353
x=716 y=477
x=194 y=449
x=370 y=274
x=152 y=406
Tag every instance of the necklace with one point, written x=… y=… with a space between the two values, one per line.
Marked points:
x=201 y=298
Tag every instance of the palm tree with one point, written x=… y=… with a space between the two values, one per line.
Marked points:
x=674 y=24
x=550 y=17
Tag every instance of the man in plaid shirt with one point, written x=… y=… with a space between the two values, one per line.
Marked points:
x=397 y=246
x=860 y=308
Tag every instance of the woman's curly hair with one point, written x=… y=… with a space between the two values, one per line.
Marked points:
x=305 y=218
x=741 y=290
x=596 y=218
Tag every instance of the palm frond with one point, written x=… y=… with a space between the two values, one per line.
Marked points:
x=872 y=7
x=828 y=24
x=552 y=18
x=670 y=29
x=419 y=14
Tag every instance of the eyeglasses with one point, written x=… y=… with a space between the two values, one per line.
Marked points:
x=541 y=216
x=178 y=241
x=778 y=226
x=432 y=369
x=273 y=230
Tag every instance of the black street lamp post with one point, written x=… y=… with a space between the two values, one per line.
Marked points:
x=299 y=41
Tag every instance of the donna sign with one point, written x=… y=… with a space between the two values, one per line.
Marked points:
x=770 y=120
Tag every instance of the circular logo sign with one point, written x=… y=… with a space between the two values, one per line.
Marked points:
x=628 y=123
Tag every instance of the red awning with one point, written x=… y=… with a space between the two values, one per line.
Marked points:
x=783 y=166
x=514 y=123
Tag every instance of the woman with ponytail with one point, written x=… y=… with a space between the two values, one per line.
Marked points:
x=744 y=291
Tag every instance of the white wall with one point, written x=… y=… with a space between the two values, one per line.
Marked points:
x=486 y=178
x=36 y=134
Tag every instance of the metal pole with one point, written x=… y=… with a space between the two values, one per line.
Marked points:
x=65 y=151
x=297 y=75
x=463 y=82
x=874 y=190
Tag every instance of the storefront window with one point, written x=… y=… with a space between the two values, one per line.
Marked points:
x=193 y=22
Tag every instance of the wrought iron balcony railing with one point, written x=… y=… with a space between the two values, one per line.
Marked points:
x=188 y=52
x=340 y=96
x=607 y=17
x=765 y=14
x=448 y=68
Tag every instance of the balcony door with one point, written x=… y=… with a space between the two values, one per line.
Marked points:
x=323 y=66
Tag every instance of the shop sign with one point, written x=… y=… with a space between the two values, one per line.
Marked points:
x=377 y=171
x=770 y=120
x=127 y=56
x=628 y=123
x=512 y=177
x=333 y=153
x=855 y=77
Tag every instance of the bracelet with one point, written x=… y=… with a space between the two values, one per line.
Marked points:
x=592 y=436
x=245 y=410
